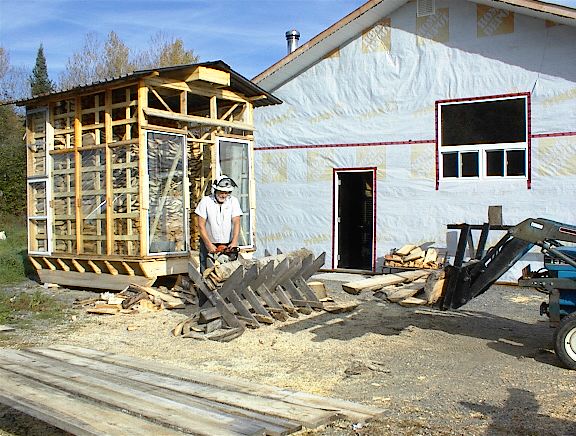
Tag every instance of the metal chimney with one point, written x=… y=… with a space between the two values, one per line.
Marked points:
x=292 y=37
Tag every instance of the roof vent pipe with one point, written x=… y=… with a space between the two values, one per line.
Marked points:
x=292 y=37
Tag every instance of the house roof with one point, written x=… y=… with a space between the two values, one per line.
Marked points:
x=370 y=13
x=237 y=83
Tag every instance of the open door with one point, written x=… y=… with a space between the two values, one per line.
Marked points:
x=354 y=218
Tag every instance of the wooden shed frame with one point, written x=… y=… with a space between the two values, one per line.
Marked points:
x=116 y=168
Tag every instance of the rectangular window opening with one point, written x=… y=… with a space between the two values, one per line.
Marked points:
x=483 y=138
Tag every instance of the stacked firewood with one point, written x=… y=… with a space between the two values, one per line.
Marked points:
x=413 y=256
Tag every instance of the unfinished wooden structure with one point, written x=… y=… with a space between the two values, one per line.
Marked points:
x=116 y=168
x=88 y=392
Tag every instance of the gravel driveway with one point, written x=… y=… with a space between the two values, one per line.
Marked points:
x=487 y=369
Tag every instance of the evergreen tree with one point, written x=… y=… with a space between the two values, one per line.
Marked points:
x=39 y=81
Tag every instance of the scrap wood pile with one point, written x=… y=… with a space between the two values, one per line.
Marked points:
x=409 y=288
x=248 y=293
x=136 y=298
x=238 y=294
x=413 y=256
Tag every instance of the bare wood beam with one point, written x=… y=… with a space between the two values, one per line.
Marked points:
x=229 y=111
x=77 y=173
x=161 y=100
x=198 y=120
x=142 y=170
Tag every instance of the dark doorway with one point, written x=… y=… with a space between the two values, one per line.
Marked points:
x=355 y=219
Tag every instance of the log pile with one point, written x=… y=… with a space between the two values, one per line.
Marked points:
x=413 y=256
x=410 y=288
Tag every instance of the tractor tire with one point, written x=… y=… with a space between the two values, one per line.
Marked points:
x=565 y=341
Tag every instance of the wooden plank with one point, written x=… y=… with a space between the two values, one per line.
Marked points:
x=249 y=295
x=348 y=409
x=109 y=389
x=111 y=373
x=316 y=265
x=307 y=292
x=285 y=301
x=378 y=282
x=71 y=413
x=214 y=298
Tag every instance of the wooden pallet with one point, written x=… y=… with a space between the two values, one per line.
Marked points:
x=88 y=392
x=266 y=293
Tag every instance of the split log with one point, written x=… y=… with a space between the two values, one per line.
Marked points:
x=403 y=251
x=434 y=287
x=319 y=289
x=400 y=293
x=378 y=282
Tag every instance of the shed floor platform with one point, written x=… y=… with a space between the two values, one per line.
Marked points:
x=89 y=392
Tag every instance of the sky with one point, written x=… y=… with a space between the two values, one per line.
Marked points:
x=246 y=34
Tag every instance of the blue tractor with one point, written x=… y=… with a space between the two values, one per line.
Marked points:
x=465 y=281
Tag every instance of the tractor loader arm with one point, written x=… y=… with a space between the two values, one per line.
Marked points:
x=463 y=283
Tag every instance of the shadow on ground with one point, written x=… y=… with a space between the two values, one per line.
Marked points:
x=529 y=339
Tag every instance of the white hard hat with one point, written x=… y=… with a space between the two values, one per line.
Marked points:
x=224 y=183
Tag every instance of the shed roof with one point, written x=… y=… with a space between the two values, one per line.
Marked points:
x=237 y=83
x=370 y=13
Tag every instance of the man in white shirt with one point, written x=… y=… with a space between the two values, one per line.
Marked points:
x=218 y=218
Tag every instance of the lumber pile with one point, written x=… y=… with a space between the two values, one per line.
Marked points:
x=136 y=298
x=409 y=288
x=413 y=256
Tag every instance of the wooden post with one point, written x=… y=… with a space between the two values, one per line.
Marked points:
x=78 y=174
x=109 y=178
x=142 y=170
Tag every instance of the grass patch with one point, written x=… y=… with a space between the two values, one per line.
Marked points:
x=24 y=308
x=14 y=264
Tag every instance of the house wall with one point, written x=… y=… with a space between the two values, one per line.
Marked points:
x=372 y=103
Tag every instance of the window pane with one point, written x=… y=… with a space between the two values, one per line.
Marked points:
x=38 y=235
x=166 y=216
x=516 y=163
x=450 y=164
x=234 y=162
x=495 y=163
x=469 y=164
x=486 y=122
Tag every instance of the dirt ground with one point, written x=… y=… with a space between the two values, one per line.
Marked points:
x=488 y=369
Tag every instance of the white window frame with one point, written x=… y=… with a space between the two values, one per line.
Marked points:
x=146 y=196
x=46 y=179
x=251 y=188
x=482 y=149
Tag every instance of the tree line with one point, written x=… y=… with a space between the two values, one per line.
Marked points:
x=96 y=60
